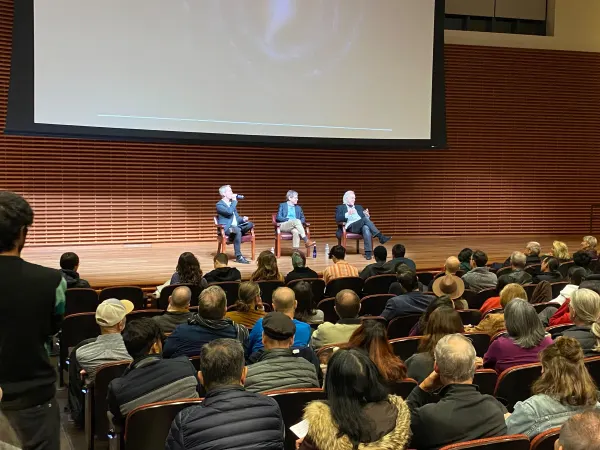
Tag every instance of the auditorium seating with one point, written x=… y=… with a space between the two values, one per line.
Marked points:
x=514 y=384
x=231 y=289
x=327 y=306
x=75 y=328
x=503 y=271
x=593 y=366
x=132 y=293
x=134 y=315
x=222 y=239
x=481 y=342
x=338 y=284
x=539 y=307
x=403 y=388
x=284 y=235
x=486 y=379
x=564 y=268
x=165 y=293
x=378 y=284
x=401 y=326
x=267 y=288
x=405 y=347
x=508 y=442
x=481 y=297
x=425 y=278
x=80 y=300
x=545 y=440
x=470 y=316
x=345 y=235
x=556 y=330
x=557 y=287
x=318 y=287
x=373 y=305
x=529 y=288
x=469 y=296
x=533 y=269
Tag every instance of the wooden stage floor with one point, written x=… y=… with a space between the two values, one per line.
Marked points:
x=153 y=264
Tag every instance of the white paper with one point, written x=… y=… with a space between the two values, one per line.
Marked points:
x=300 y=429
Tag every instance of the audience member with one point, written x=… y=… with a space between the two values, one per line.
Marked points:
x=300 y=269
x=564 y=389
x=32 y=305
x=589 y=244
x=493 y=323
x=8 y=437
x=560 y=251
x=421 y=325
x=188 y=271
x=69 y=265
x=549 y=271
x=209 y=324
x=109 y=346
x=518 y=261
x=377 y=268
x=442 y=322
x=340 y=268
x=583 y=260
x=584 y=311
x=222 y=272
x=580 y=432
x=464 y=256
x=576 y=277
x=347 y=307
x=453 y=287
x=451 y=267
x=277 y=367
x=462 y=412
x=358 y=411
x=479 y=277
x=149 y=378
x=552 y=316
x=267 y=269
x=526 y=338
x=229 y=416
x=508 y=292
x=249 y=307
x=306 y=310
x=398 y=257
x=372 y=338
x=291 y=219
x=284 y=301
x=532 y=252
x=178 y=310
x=412 y=302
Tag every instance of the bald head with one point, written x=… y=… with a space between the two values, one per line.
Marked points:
x=181 y=297
x=452 y=265
x=347 y=304
x=284 y=300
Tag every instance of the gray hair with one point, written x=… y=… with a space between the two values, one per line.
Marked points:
x=455 y=358
x=346 y=195
x=212 y=303
x=523 y=324
x=223 y=188
x=534 y=248
x=518 y=259
x=580 y=432
x=222 y=363
x=591 y=241
x=291 y=194
x=585 y=303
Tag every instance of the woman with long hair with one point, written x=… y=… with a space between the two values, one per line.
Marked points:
x=443 y=321
x=564 y=389
x=584 y=310
x=188 y=271
x=560 y=251
x=305 y=310
x=421 y=325
x=358 y=410
x=249 y=307
x=267 y=269
x=371 y=337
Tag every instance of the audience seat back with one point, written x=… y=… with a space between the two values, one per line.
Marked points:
x=80 y=300
x=318 y=287
x=533 y=269
x=425 y=278
x=514 y=384
x=469 y=296
x=508 y=442
x=486 y=379
x=401 y=326
x=405 y=347
x=564 y=268
x=529 y=288
x=557 y=287
x=403 y=388
x=503 y=271
x=481 y=297
x=481 y=342
x=74 y=329
x=545 y=440
x=539 y=307
x=378 y=284
x=132 y=293
x=470 y=316
x=556 y=330
x=593 y=366
x=146 y=313
x=267 y=288
x=327 y=305
x=167 y=291
x=373 y=305
x=353 y=283
x=231 y=289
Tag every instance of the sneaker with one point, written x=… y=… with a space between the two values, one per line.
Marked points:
x=242 y=260
x=368 y=257
x=383 y=239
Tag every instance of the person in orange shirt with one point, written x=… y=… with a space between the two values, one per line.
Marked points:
x=339 y=268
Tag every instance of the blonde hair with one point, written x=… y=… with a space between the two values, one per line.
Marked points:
x=591 y=241
x=560 y=250
x=585 y=304
x=510 y=292
x=247 y=294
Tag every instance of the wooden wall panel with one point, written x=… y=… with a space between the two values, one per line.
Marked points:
x=523 y=128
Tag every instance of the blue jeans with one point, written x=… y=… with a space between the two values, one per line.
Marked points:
x=368 y=229
x=235 y=234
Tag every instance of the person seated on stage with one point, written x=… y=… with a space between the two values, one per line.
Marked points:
x=235 y=226
x=589 y=244
x=347 y=307
x=517 y=274
x=340 y=268
x=306 y=310
x=249 y=307
x=560 y=251
x=109 y=346
x=412 y=301
x=398 y=252
x=532 y=252
x=188 y=271
x=583 y=260
x=277 y=367
x=377 y=268
x=178 y=310
x=222 y=272
x=149 y=378
x=358 y=220
x=464 y=256
x=284 y=301
x=292 y=220
x=479 y=277
x=300 y=269
x=209 y=324
x=267 y=269
x=69 y=264
x=580 y=432
x=549 y=271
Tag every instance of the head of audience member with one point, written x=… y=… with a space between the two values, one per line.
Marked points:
x=111 y=315
x=452 y=265
x=464 y=256
x=226 y=193
x=455 y=359
x=478 y=259
x=220 y=260
x=143 y=337
x=564 y=375
x=371 y=337
x=407 y=278
x=180 y=299
x=581 y=258
x=212 y=304
x=438 y=302
x=523 y=325
x=291 y=197
x=69 y=261
x=550 y=265
x=533 y=249
x=351 y=382
x=398 y=251
x=305 y=300
x=248 y=296
x=222 y=364
x=284 y=301
x=349 y=198
x=278 y=331
x=267 y=268
x=577 y=276
x=518 y=260
x=450 y=285
x=188 y=269
x=347 y=304
x=16 y=216
x=337 y=253
x=510 y=292
x=584 y=307
x=560 y=250
x=589 y=243
x=380 y=254
x=580 y=432
x=442 y=322
x=298 y=259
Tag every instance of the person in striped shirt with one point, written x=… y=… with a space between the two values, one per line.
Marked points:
x=339 y=268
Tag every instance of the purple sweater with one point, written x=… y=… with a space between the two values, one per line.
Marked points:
x=504 y=353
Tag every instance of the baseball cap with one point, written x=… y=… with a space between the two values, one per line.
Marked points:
x=278 y=326
x=110 y=312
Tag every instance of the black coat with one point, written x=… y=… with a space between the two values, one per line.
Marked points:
x=299 y=273
x=585 y=337
x=223 y=274
x=228 y=419
x=550 y=277
x=73 y=280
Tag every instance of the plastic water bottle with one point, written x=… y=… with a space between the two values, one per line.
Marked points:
x=314 y=250
x=326 y=250
x=273 y=250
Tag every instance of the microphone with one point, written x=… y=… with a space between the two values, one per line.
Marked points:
x=239 y=197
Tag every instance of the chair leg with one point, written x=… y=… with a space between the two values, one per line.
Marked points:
x=358 y=246
x=253 y=247
x=278 y=247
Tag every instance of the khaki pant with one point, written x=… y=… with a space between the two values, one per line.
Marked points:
x=295 y=227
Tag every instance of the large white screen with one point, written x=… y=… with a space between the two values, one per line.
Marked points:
x=309 y=68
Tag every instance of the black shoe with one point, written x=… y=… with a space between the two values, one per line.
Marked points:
x=368 y=258
x=242 y=260
x=383 y=239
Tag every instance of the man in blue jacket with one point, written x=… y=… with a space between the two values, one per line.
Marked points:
x=292 y=220
x=235 y=225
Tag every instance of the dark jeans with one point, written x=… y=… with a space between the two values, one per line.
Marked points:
x=367 y=228
x=235 y=234
x=38 y=427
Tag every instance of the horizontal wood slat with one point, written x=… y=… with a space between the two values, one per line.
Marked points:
x=523 y=131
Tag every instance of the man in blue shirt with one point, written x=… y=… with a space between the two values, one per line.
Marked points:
x=284 y=301
x=292 y=220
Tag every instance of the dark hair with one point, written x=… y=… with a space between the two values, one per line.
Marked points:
x=578 y=275
x=222 y=363
x=552 y=263
x=479 y=258
x=380 y=253
x=337 y=251
x=352 y=381
x=465 y=255
x=221 y=258
x=371 y=336
x=438 y=302
x=247 y=293
x=15 y=215
x=304 y=296
x=212 y=303
x=347 y=304
x=407 y=278
x=140 y=335
x=398 y=251
x=69 y=261
x=442 y=321
x=267 y=269
x=582 y=258
x=188 y=269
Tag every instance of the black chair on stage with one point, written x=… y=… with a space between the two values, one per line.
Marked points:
x=373 y=305
x=80 y=300
x=378 y=284
x=353 y=283
x=132 y=293
x=167 y=291
x=231 y=289
x=317 y=285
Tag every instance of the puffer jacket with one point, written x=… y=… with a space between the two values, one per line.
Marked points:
x=228 y=419
x=280 y=369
